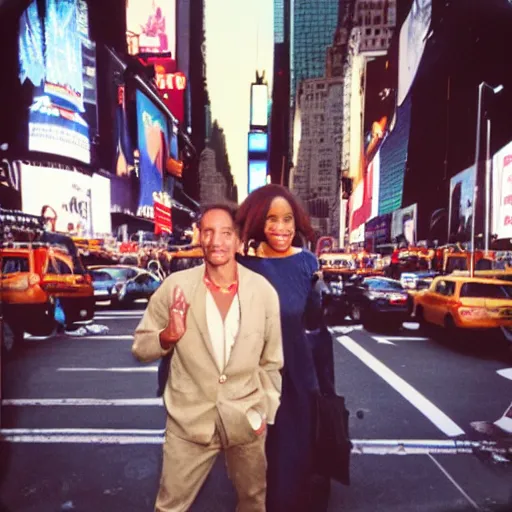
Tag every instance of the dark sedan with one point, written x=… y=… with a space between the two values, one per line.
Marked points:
x=377 y=300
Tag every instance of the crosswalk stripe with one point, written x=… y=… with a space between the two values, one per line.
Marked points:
x=55 y=402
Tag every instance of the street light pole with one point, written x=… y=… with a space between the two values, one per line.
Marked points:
x=488 y=171
x=495 y=90
x=477 y=158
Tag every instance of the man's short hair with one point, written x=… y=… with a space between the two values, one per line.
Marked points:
x=229 y=207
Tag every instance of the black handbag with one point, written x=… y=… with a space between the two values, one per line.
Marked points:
x=331 y=442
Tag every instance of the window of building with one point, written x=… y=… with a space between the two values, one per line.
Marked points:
x=368 y=31
x=377 y=20
x=377 y=31
x=383 y=42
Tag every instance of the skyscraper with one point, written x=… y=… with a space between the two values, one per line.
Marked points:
x=280 y=115
x=312 y=32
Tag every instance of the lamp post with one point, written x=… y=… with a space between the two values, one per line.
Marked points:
x=495 y=90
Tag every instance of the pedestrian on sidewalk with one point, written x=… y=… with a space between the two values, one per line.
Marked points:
x=221 y=322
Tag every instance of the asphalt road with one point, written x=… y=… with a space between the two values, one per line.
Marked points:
x=81 y=424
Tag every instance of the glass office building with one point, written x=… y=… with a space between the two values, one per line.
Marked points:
x=313 y=27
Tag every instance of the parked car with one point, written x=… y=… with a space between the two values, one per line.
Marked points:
x=33 y=277
x=104 y=285
x=376 y=301
x=130 y=283
x=459 y=302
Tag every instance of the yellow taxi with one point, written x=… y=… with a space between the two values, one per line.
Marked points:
x=464 y=302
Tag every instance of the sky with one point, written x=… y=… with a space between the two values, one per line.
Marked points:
x=239 y=40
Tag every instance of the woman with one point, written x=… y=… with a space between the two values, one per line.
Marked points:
x=270 y=219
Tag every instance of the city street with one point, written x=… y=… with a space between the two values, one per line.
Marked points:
x=82 y=426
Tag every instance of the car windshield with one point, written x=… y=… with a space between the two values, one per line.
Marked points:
x=486 y=290
x=13 y=264
x=383 y=284
x=122 y=274
x=100 y=276
x=456 y=263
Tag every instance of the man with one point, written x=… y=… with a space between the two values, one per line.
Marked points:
x=222 y=323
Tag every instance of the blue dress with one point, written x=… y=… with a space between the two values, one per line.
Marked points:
x=289 y=440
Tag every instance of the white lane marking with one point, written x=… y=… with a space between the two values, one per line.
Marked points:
x=156 y=436
x=63 y=431
x=383 y=340
x=425 y=406
x=507 y=373
x=68 y=337
x=398 y=338
x=103 y=337
x=454 y=482
x=138 y=369
x=119 y=313
x=133 y=317
x=345 y=329
x=53 y=402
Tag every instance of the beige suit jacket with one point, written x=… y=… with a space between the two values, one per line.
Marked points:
x=197 y=393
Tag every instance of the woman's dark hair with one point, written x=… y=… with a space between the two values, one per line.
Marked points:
x=252 y=214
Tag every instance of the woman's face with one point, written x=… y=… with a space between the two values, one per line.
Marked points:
x=280 y=225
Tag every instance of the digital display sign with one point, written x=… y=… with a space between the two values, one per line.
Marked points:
x=259 y=105
x=151 y=26
x=57 y=57
x=257 y=174
x=258 y=142
x=153 y=139
x=79 y=205
x=460 y=214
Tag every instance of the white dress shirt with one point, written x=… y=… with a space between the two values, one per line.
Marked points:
x=222 y=332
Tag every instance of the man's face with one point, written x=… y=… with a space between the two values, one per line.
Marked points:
x=218 y=238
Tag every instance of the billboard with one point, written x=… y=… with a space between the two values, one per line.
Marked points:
x=365 y=204
x=259 y=105
x=393 y=159
x=258 y=142
x=257 y=174
x=403 y=225
x=172 y=84
x=413 y=39
x=502 y=193
x=377 y=232
x=153 y=141
x=460 y=212
x=57 y=57
x=151 y=26
x=79 y=205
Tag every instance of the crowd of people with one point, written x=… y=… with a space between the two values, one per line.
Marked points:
x=241 y=334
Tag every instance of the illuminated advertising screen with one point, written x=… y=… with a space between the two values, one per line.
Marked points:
x=460 y=211
x=58 y=58
x=257 y=174
x=171 y=84
x=502 y=192
x=403 y=225
x=258 y=142
x=79 y=205
x=259 y=105
x=393 y=159
x=377 y=232
x=153 y=138
x=151 y=26
x=413 y=39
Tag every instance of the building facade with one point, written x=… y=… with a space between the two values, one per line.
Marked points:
x=213 y=184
